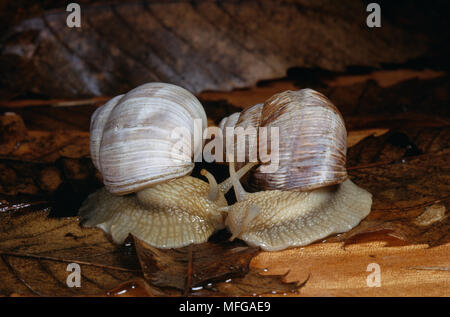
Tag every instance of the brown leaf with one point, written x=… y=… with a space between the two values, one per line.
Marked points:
x=411 y=193
x=18 y=143
x=398 y=144
x=254 y=283
x=35 y=251
x=47 y=147
x=12 y=132
x=137 y=287
x=201 y=45
x=364 y=105
x=213 y=269
x=337 y=270
x=42 y=163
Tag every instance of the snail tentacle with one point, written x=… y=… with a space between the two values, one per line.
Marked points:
x=213 y=187
x=226 y=185
x=238 y=189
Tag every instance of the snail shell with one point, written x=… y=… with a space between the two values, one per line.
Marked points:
x=132 y=142
x=312 y=140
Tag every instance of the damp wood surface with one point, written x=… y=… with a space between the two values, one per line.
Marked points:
x=399 y=142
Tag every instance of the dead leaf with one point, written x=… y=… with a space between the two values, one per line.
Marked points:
x=398 y=144
x=19 y=143
x=431 y=214
x=408 y=173
x=12 y=132
x=53 y=165
x=213 y=269
x=47 y=147
x=255 y=283
x=335 y=270
x=402 y=192
x=355 y=136
x=385 y=78
x=200 y=45
x=35 y=251
x=364 y=105
x=137 y=287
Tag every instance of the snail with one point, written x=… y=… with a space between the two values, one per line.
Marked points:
x=172 y=214
x=312 y=141
x=275 y=219
x=148 y=190
x=310 y=196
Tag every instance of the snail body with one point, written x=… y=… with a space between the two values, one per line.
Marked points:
x=167 y=215
x=276 y=220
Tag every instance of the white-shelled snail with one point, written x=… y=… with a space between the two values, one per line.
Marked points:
x=132 y=145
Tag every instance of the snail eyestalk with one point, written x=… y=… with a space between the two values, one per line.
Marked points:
x=226 y=185
x=213 y=187
x=238 y=189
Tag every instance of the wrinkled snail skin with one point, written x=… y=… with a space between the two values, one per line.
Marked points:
x=275 y=220
x=312 y=140
x=168 y=215
x=148 y=191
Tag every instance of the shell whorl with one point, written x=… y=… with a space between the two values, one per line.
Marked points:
x=133 y=139
x=312 y=140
